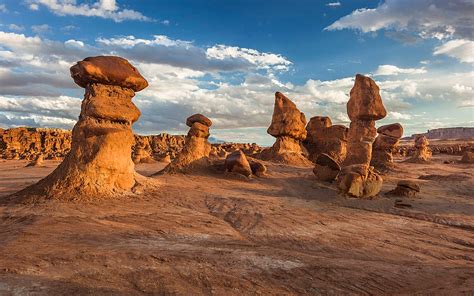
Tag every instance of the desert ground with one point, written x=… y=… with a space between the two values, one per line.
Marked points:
x=218 y=234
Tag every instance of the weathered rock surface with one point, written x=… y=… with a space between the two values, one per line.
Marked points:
x=196 y=151
x=422 y=151
x=323 y=137
x=384 y=145
x=99 y=163
x=39 y=161
x=142 y=150
x=467 y=157
x=108 y=70
x=357 y=178
x=289 y=127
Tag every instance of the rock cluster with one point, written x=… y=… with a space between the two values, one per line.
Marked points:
x=385 y=143
x=142 y=151
x=28 y=143
x=405 y=188
x=357 y=178
x=99 y=163
x=289 y=128
x=422 y=151
x=323 y=137
x=197 y=148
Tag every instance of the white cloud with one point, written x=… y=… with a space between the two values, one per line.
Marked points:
x=461 y=49
x=386 y=70
x=107 y=9
x=398 y=115
x=3 y=8
x=438 y=19
x=334 y=4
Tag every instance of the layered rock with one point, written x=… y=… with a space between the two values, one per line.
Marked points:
x=422 y=152
x=197 y=148
x=384 y=145
x=323 y=137
x=288 y=127
x=99 y=163
x=364 y=107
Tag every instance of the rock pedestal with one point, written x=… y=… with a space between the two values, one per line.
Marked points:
x=288 y=126
x=99 y=163
x=357 y=178
x=386 y=141
x=197 y=148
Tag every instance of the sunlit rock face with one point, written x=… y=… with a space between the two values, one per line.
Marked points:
x=357 y=178
x=422 y=151
x=289 y=128
x=99 y=162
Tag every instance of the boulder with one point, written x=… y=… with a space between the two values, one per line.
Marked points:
x=394 y=130
x=287 y=120
x=258 y=168
x=405 y=188
x=326 y=168
x=467 y=157
x=198 y=118
x=237 y=162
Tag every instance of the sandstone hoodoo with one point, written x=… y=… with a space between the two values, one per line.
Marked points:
x=357 y=178
x=197 y=148
x=326 y=168
x=323 y=137
x=289 y=128
x=99 y=163
x=385 y=143
x=422 y=151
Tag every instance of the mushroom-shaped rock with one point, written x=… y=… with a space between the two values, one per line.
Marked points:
x=287 y=120
x=422 y=151
x=198 y=118
x=196 y=151
x=237 y=162
x=99 y=162
x=365 y=102
x=326 y=168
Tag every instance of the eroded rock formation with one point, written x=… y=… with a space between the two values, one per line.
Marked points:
x=326 y=168
x=197 y=148
x=142 y=150
x=405 y=188
x=422 y=152
x=99 y=163
x=323 y=137
x=237 y=162
x=385 y=143
x=289 y=128
x=357 y=178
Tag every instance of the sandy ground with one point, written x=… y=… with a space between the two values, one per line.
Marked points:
x=214 y=234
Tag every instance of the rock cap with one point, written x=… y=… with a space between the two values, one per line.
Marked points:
x=198 y=118
x=109 y=70
x=287 y=120
x=393 y=130
x=365 y=102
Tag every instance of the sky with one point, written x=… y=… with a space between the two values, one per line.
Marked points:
x=226 y=59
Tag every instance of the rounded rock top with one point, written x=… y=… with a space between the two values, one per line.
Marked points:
x=198 y=118
x=109 y=70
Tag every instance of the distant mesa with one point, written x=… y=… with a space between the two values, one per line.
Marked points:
x=447 y=133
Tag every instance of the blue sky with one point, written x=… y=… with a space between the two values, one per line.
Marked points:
x=225 y=59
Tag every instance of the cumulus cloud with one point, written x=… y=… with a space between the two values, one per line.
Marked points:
x=40 y=29
x=385 y=70
x=461 y=49
x=233 y=86
x=107 y=9
x=15 y=27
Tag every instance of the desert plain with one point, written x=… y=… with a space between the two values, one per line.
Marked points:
x=210 y=233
